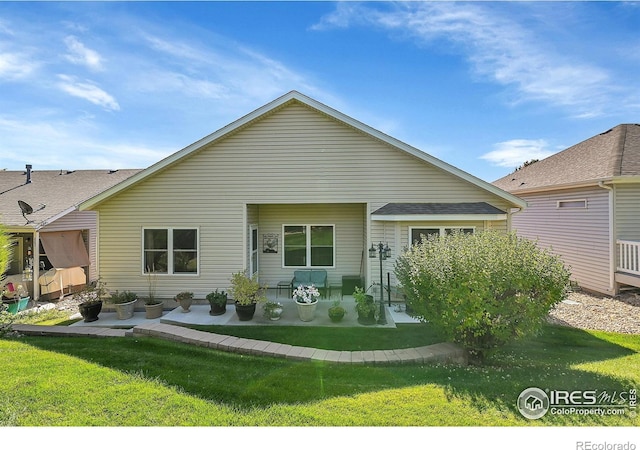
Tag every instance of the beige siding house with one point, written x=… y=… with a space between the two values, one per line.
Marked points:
x=584 y=204
x=55 y=222
x=292 y=185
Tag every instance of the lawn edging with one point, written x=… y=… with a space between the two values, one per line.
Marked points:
x=441 y=353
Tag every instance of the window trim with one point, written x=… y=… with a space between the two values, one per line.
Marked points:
x=308 y=245
x=569 y=204
x=170 y=251
x=441 y=229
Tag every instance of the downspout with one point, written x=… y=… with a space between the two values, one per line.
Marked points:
x=510 y=214
x=612 y=240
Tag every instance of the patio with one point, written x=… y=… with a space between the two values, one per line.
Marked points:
x=199 y=315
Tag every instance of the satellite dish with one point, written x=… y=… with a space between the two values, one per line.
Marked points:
x=27 y=209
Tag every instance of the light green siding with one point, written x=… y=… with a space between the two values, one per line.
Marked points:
x=265 y=173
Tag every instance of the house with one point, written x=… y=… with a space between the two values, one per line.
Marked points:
x=583 y=203
x=41 y=207
x=292 y=185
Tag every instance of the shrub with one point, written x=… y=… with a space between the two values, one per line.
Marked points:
x=482 y=290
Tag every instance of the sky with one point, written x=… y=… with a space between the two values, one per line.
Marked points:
x=484 y=86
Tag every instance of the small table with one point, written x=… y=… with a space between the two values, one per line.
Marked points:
x=333 y=286
x=350 y=283
x=284 y=285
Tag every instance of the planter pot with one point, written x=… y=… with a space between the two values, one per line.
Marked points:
x=125 y=310
x=336 y=315
x=245 y=312
x=307 y=311
x=217 y=309
x=185 y=305
x=153 y=311
x=275 y=314
x=368 y=319
x=90 y=311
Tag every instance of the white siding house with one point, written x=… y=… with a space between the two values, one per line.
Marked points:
x=294 y=184
x=584 y=204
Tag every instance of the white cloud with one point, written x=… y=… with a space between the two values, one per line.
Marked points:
x=498 y=47
x=79 y=54
x=515 y=152
x=88 y=91
x=15 y=66
x=64 y=144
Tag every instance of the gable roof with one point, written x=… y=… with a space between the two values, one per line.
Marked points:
x=60 y=190
x=609 y=155
x=289 y=98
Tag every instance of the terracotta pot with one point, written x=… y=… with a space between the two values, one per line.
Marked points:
x=125 y=310
x=153 y=311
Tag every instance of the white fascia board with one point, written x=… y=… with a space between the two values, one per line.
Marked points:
x=52 y=219
x=437 y=217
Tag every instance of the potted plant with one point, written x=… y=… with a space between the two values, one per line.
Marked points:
x=90 y=298
x=365 y=307
x=218 y=302
x=272 y=310
x=153 y=307
x=336 y=311
x=184 y=299
x=246 y=292
x=306 y=298
x=124 y=303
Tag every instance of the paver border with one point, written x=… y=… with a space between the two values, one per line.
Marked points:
x=444 y=352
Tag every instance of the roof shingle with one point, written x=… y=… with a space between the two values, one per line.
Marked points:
x=614 y=153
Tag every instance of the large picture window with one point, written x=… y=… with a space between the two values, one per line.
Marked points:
x=309 y=245
x=417 y=234
x=170 y=250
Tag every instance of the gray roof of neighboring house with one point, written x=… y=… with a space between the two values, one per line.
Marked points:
x=614 y=153
x=60 y=190
x=437 y=208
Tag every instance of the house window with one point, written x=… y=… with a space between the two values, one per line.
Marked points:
x=170 y=250
x=572 y=204
x=309 y=246
x=418 y=233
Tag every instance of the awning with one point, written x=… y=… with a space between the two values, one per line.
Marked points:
x=65 y=249
x=408 y=212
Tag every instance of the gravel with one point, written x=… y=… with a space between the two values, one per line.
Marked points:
x=620 y=314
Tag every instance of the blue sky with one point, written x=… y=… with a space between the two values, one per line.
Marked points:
x=481 y=85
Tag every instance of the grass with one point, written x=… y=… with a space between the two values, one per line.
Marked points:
x=145 y=381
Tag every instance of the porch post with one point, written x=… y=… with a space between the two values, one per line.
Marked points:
x=35 y=242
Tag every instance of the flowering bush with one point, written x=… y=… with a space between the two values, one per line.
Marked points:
x=482 y=290
x=306 y=294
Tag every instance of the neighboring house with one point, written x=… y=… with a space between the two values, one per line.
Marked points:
x=584 y=204
x=65 y=237
x=294 y=184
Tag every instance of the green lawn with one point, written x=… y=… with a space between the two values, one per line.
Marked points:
x=144 y=381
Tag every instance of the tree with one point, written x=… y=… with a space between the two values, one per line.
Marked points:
x=482 y=290
x=5 y=317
